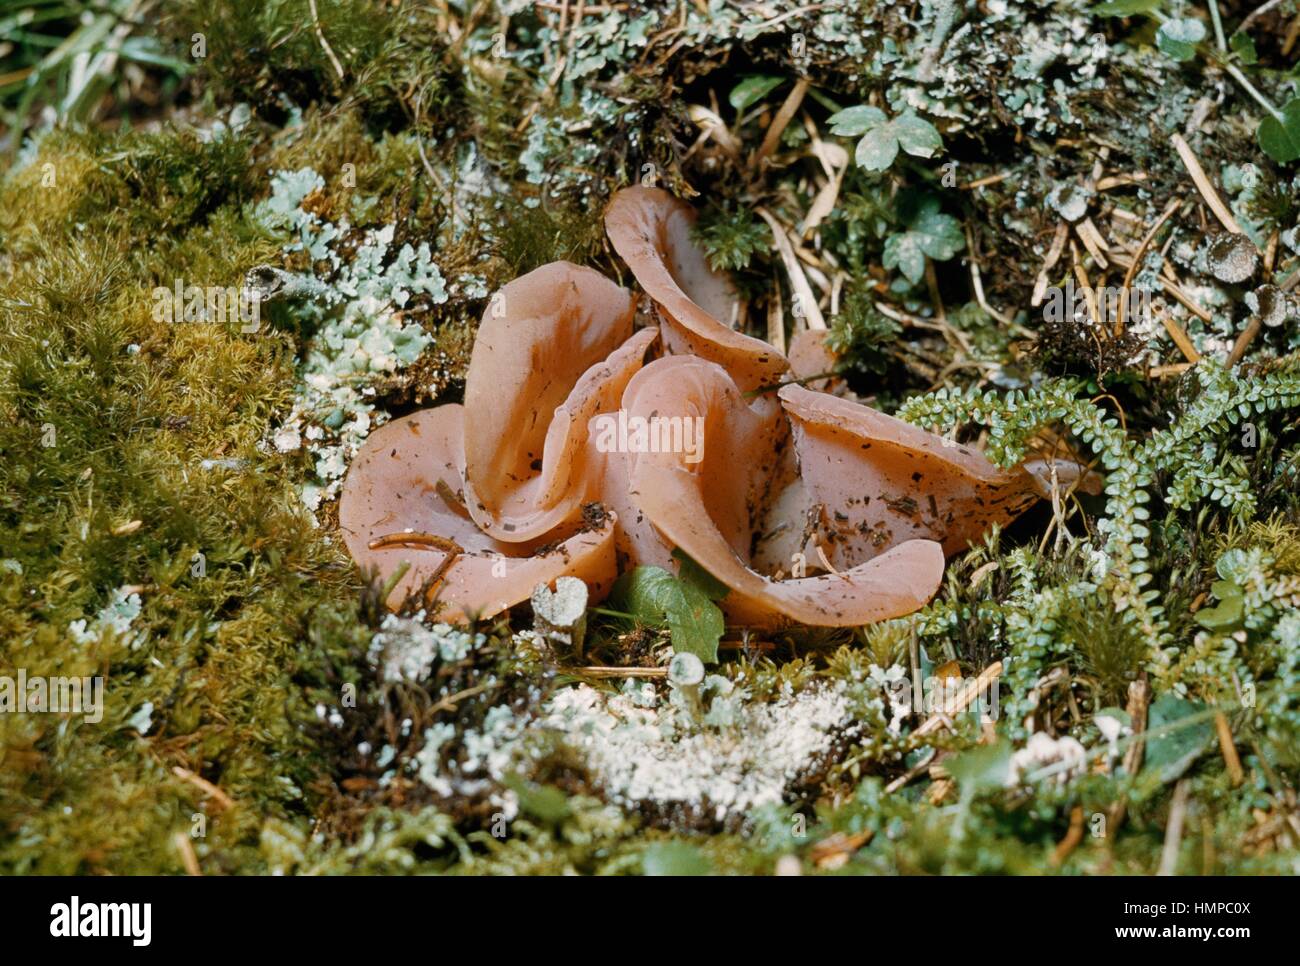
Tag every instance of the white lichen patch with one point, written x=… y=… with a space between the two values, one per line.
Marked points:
x=116 y=616
x=492 y=754
x=360 y=334
x=1042 y=750
x=404 y=649
x=642 y=749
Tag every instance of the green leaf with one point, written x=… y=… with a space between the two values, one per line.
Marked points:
x=654 y=596
x=880 y=144
x=877 y=149
x=674 y=858
x=903 y=253
x=693 y=573
x=1280 y=140
x=929 y=232
x=917 y=136
x=854 y=121
x=939 y=235
x=544 y=802
x=1227 y=614
x=1126 y=8
x=753 y=89
x=1172 y=754
x=1243 y=45
x=1178 y=38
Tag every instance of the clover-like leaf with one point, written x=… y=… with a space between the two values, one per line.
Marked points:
x=1243 y=45
x=917 y=136
x=855 y=121
x=929 y=233
x=1178 y=38
x=882 y=138
x=1227 y=614
x=1280 y=138
x=1170 y=754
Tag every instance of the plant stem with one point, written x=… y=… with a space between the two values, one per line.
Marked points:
x=1218 y=26
x=1263 y=102
x=613 y=613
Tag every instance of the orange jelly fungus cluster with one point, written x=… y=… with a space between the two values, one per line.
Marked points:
x=482 y=502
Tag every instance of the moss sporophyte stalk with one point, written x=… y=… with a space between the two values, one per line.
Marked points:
x=537 y=438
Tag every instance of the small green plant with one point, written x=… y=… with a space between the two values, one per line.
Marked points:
x=1181 y=38
x=862 y=335
x=881 y=138
x=730 y=237
x=683 y=603
x=927 y=233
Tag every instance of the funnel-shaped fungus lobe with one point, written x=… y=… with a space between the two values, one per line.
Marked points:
x=651 y=230
x=574 y=456
x=710 y=508
x=873 y=481
x=402 y=504
x=543 y=365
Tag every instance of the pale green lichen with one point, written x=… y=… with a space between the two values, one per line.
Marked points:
x=360 y=336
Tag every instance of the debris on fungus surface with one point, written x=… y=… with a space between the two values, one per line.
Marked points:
x=702 y=449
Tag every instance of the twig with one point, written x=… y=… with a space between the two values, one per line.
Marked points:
x=932 y=286
x=1072 y=837
x=1229 y=750
x=968 y=693
x=825 y=562
x=1172 y=288
x=1139 y=695
x=1121 y=181
x=186 y=849
x=589 y=10
x=977 y=283
x=779 y=122
x=1218 y=27
x=222 y=800
x=984 y=182
x=414 y=539
x=1204 y=186
x=1137 y=260
x=1174 y=829
x=1260 y=99
x=776 y=316
x=320 y=35
x=623 y=672
x=449 y=703
x=768 y=24
x=911 y=773
x=1292 y=32
x=1257 y=13
x=1244 y=340
x=1092 y=241
x=812 y=312
x=1053 y=256
x=1181 y=339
